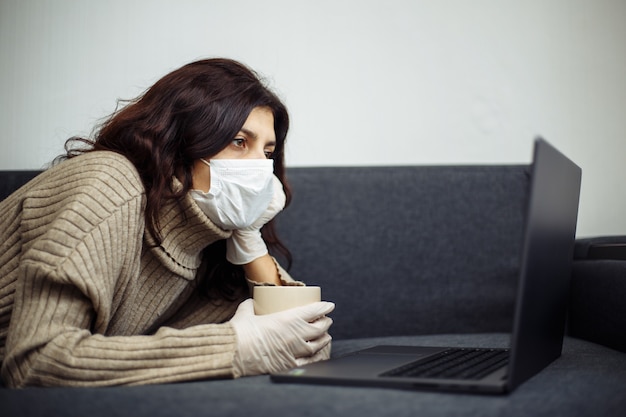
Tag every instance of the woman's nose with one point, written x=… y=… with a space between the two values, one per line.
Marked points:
x=256 y=154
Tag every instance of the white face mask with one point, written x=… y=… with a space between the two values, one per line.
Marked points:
x=240 y=191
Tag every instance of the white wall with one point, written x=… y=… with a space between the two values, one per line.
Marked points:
x=367 y=82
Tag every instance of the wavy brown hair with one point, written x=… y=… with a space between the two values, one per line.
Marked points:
x=193 y=112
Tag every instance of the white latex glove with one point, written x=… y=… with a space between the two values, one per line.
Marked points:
x=246 y=245
x=283 y=340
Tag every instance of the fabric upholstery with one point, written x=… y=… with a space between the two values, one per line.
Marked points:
x=409 y=250
x=411 y=255
x=12 y=180
x=587 y=381
x=597 y=307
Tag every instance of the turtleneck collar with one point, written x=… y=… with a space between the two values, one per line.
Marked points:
x=185 y=232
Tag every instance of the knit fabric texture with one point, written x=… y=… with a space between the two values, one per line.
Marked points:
x=87 y=299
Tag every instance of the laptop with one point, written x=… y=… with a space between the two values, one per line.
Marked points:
x=539 y=317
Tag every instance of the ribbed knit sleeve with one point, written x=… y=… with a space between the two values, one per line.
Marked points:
x=81 y=238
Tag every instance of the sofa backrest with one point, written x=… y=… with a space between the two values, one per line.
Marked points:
x=402 y=250
x=409 y=250
x=12 y=180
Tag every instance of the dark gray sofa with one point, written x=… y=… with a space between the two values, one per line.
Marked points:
x=412 y=255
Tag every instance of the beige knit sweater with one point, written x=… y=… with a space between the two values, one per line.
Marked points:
x=84 y=298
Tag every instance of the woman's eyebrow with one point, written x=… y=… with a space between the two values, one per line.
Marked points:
x=249 y=133
x=254 y=136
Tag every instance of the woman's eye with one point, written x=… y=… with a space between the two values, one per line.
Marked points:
x=239 y=142
x=269 y=154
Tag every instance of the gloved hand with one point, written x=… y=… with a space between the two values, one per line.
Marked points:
x=246 y=245
x=283 y=340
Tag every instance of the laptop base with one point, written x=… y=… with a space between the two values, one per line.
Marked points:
x=364 y=368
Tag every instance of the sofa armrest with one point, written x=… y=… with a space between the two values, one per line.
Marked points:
x=604 y=247
x=598 y=291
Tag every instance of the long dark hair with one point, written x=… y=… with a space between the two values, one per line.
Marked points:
x=191 y=113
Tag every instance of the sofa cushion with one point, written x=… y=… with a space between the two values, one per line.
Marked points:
x=587 y=381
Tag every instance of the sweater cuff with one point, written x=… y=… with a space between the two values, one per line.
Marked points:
x=283 y=275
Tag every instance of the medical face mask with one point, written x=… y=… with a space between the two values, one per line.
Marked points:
x=241 y=190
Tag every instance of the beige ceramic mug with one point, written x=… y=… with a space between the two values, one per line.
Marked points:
x=270 y=299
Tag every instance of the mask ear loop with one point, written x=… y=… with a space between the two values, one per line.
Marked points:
x=207 y=163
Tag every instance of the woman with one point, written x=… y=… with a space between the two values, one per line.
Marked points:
x=129 y=261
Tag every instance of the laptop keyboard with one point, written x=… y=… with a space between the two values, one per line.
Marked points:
x=458 y=363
